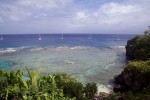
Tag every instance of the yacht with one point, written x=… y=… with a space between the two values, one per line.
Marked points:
x=117 y=39
x=62 y=36
x=90 y=36
x=1 y=38
x=40 y=38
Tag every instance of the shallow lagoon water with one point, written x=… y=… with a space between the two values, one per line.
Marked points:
x=87 y=64
x=89 y=60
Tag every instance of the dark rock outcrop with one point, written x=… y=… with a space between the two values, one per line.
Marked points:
x=136 y=76
x=138 y=48
x=133 y=78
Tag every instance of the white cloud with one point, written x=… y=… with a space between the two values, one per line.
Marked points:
x=115 y=17
x=67 y=16
x=81 y=15
x=13 y=13
x=114 y=9
x=44 y=4
x=24 y=9
x=1 y=20
x=38 y=4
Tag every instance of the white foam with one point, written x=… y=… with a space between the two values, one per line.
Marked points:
x=62 y=48
x=121 y=47
x=104 y=88
x=36 y=49
x=64 y=59
x=77 y=47
x=109 y=65
x=8 y=50
x=11 y=50
x=69 y=62
x=70 y=48
x=22 y=48
x=118 y=47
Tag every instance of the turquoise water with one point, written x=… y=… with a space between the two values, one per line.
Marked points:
x=96 y=60
x=87 y=64
x=5 y=64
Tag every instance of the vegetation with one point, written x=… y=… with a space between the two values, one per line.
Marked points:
x=138 y=48
x=135 y=77
x=141 y=66
x=132 y=84
x=134 y=81
x=128 y=96
x=58 y=86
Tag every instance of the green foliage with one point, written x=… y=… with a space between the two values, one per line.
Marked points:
x=138 y=73
x=90 y=90
x=142 y=66
x=33 y=75
x=48 y=87
x=70 y=86
x=136 y=76
x=128 y=96
x=138 y=48
x=147 y=33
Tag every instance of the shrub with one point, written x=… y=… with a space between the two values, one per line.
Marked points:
x=48 y=87
x=138 y=48
x=90 y=89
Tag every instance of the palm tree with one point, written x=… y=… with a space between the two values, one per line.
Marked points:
x=33 y=75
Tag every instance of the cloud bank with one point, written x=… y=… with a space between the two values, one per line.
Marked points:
x=74 y=16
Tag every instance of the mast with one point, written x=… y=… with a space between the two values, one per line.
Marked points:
x=40 y=38
x=1 y=37
x=62 y=36
x=117 y=39
x=90 y=37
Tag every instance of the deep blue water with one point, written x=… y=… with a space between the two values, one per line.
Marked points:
x=54 y=40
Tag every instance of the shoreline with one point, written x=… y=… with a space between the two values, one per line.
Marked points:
x=104 y=89
x=95 y=62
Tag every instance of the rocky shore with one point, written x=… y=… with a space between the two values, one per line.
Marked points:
x=134 y=81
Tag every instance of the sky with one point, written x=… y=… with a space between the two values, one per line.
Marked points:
x=74 y=16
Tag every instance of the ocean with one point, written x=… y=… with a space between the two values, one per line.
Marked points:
x=87 y=57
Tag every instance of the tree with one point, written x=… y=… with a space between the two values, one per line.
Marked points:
x=147 y=33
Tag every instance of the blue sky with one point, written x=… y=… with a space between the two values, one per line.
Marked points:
x=74 y=16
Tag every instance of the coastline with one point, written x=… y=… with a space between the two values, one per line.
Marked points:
x=67 y=59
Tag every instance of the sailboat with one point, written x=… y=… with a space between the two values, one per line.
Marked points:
x=62 y=36
x=117 y=39
x=1 y=37
x=90 y=37
x=40 y=38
